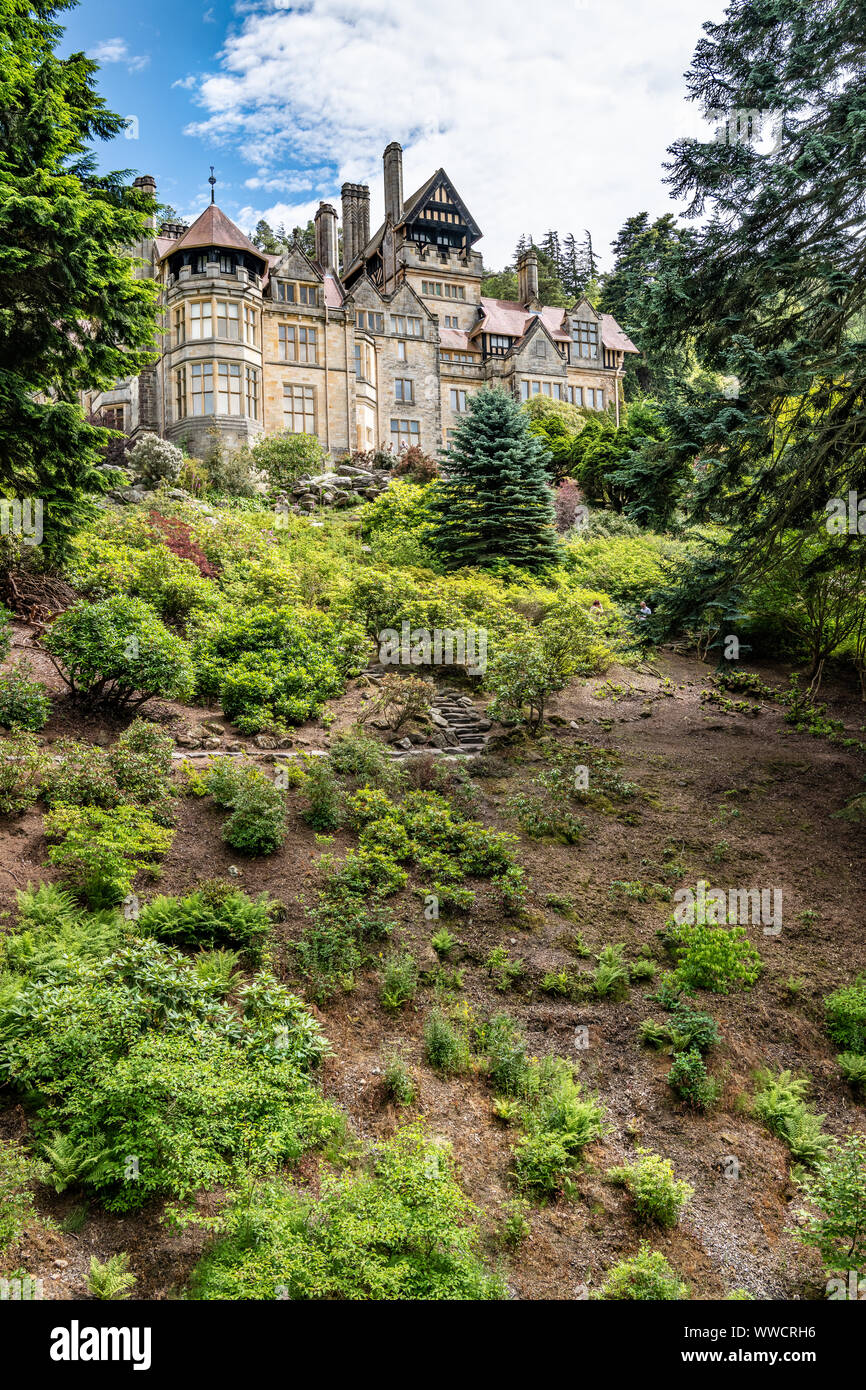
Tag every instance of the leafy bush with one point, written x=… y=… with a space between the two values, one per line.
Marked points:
x=101 y=851
x=141 y=762
x=24 y=702
x=355 y=754
x=399 y=980
x=780 y=1104
x=688 y=1077
x=852 y=1065
x=397 y=1081
x=135 y=1054
x=155 y=459
x=559 y=1121
x=445 y=1045
x=713 y=958
x=285 y=457
x=401 y=698
x=257 y=824
x=23 y=770
x=118 y=652
x=837 y=1187
x=274 y=665
x=658 y=1195
x=324 y=809
x=846 y=1016
x=645 y=1276
x=404 y=1230
x=17 y=1171
x=215 y=914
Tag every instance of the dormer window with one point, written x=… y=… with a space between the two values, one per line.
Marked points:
x=285 y=292
x=227 y=263
x=308 y=294
x=584 y=335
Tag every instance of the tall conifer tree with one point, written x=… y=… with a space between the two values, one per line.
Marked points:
x=494 y=505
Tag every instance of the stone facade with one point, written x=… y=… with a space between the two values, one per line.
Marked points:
x=383 y=351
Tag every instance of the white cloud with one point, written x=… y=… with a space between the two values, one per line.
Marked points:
x=559 y=119
x=117 y=51
x=186 y=82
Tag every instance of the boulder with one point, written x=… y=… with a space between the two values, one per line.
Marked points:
x=128 y=496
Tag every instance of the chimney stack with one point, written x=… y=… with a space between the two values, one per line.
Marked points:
x=347 y=195
x=326 y=236
x=393 y=161
x=147 y=184
x=362 y=215
x=527 y=279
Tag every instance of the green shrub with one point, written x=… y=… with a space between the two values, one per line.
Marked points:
x=398 y=1083
x=399 y=980
x=17 y=1171
x=541 y=1162
x=24 y=702
x=334 y=944
x=504 y=1046
x=100 y=852
x=837 y=1187
x=118 y=652
x=135 y=1054
x=356 y=755
x=853 y=1068
x=83 y=776
x=215 y=914
x=780 y=1103
x=689 y=1079
x=257 y=824
x=272 y=665
x=403 y=1230
x=713 y=958
x=846 y=1016
x=516 y=1225
x=445 y=1045
x=324 y=809
x=646 y=1276
x=658 y=1196
x=559 y=1122
x=217 y=968
x=23 y=770
x=141 y=763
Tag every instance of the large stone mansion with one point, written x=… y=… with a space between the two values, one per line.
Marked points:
x=382 y=349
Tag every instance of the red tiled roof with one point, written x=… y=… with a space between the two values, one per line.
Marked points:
x=613 y=337
x=513 y=320
x=455 y=338
x=213 y=228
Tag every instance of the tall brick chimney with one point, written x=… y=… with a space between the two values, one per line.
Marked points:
x=349 y=202
x=393 y=161
x=363 y=216
x=326 y=236
x=527 y=279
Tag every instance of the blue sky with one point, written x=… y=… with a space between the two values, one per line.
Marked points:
x=563 y=123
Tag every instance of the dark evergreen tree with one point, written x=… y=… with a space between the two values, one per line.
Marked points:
x=265 y=238
x=494 y=504
x=771 y=288
x=72 y=314
x=641 y=251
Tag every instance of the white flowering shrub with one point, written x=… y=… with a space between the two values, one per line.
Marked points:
x=155 y=459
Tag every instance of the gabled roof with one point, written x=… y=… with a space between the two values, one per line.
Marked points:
x=513 y=320
x=413 y=204
x=333 y=291
x=213 y=228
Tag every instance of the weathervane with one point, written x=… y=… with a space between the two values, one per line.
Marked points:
x=212 y=182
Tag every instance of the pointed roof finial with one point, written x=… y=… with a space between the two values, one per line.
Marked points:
x=212 y=182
